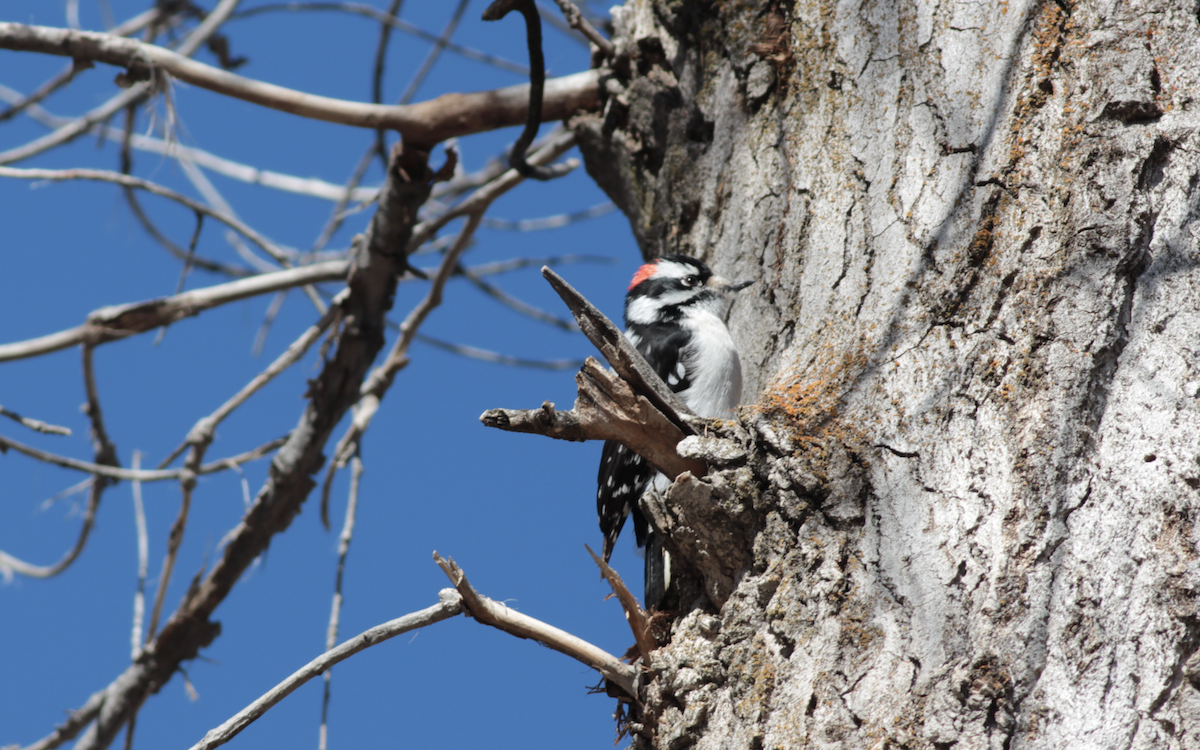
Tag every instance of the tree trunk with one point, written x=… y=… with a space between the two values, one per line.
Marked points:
x=961 y=511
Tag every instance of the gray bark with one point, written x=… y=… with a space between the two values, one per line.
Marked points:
x=962 y=511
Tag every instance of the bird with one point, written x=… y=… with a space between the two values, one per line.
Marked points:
x=675 y=312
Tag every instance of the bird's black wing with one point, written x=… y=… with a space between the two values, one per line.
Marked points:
x=624 y=475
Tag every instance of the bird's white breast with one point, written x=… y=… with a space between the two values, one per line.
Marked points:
x=713 y=366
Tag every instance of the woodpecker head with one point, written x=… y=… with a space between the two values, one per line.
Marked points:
x=668 y=288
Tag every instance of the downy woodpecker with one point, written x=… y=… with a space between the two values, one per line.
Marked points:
x=675 y=316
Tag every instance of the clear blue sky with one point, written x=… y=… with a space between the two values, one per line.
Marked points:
x=514 y=510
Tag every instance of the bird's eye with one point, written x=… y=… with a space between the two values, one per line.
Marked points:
x=691 y=281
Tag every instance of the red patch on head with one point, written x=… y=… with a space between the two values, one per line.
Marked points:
x=644 y=273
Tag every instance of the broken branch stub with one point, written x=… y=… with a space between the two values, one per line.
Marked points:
x=606 y=408
x=621 y=355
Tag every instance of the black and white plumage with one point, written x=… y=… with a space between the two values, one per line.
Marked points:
x=675 y=316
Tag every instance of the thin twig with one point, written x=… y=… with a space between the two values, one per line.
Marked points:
x=563 y=141
x=81 y=125
x=392 y=21
x=35 y=424
x=497 y=615
x=579 y=23
x=356 y=470
x=144 y=475
x=121 y=321
x=129 y=181
x=205 y=429
x=449 y=606
x=513 y=303
x=143 y=554
x=634 y=614
x=486 y=355
x=385 y=35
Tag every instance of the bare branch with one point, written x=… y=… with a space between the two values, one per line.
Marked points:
x=133 y=25
x=426 y=123
x=143 y=555
x=513 y=303
x=624 y=358
x=121 y=321
x=397 y=23
x=606 y=408
x=129 y=181
x=331 y=633
x=35 y=424
x=562 y=142
x=497 y=615
x=79 y=126
x=634 y=614
x=486 y=355
x=449 y=606
x=144 y=475
x=579 y=23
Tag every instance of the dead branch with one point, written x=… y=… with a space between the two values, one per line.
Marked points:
x=634 y=614
x=621 y=355
x=120 y=321
x=426 y=123
x=449 y=606
x=375 y=270
x=117 y=473
x=389 y=20
x=129 y=181
x=497 y=615
x=81 y=125
x=36 y=425
x=606 y=408
x=580 y=24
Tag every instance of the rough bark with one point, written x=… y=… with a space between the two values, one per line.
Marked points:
x=962 y=511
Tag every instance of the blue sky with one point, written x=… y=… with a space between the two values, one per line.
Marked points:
x=513 y=510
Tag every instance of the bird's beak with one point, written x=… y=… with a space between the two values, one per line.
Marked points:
x=725 y=285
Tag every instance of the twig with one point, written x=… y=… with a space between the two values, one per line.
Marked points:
x=385 y=35
x=634 y=614
x=143 y=553
x=397 y=23
x=129 y=181
x=562 y=142
x=426 y=123
x=513 y=303
x=187 y=268
x=515 y=623
x=133 y=25
x=449 y=606
x=537 y=84
x=606 y=408
x=35 y=424
x=579 y=23
x=486 y=355
x=144 y=475
x=549 y=222
x=100 y=114
x=121 y=321
x=356 y=470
